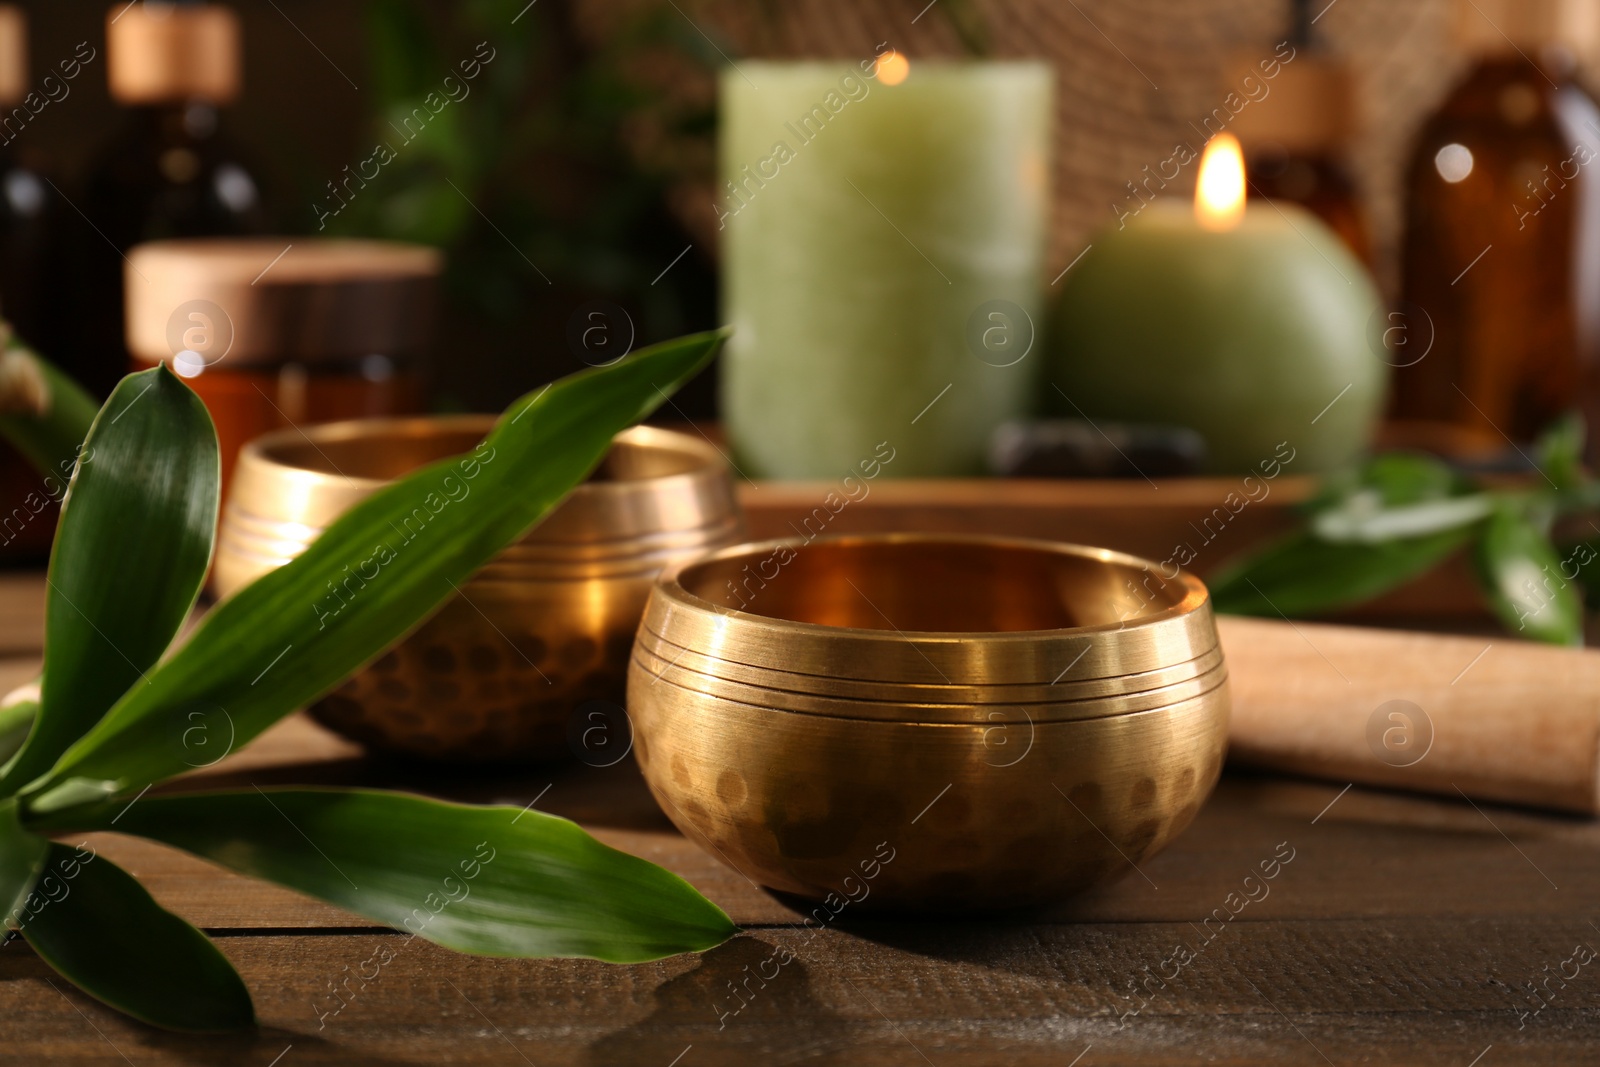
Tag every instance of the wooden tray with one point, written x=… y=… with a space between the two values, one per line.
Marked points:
x=1213 y=516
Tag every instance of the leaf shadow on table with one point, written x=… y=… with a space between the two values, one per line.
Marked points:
x=61 y=1016
x=1005 y=940
x=749 y=1000
x=248 y=1048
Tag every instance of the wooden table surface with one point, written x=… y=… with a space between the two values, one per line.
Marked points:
x=1398 y=930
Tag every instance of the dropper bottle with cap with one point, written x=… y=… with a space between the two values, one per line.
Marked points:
x=1501 y=254
x=171 y=172
x=1297 y=117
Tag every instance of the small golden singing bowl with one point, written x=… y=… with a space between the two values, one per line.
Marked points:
x=501 y=670
x=928 y=723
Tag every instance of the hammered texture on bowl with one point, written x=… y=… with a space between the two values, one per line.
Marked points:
x=505 y=669
x=797 y=803
x=465 y=687
x=825 y=733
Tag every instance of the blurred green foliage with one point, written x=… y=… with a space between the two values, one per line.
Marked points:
x=1402 y=514
x=546 y=177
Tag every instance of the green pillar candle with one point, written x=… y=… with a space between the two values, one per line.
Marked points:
x=882 y=256
x=1254 y=326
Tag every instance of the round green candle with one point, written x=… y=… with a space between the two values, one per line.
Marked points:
x=866 y=227
x=1253 y=335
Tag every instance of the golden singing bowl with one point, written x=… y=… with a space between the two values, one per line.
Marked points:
x=928 y=723
x=504 y=670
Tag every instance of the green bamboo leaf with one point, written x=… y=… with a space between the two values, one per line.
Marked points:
x=500 y=881
x=17 y=713
x=22 y=854
x=1559 y=451
x=1584 y=556
x=1389 y=480
x=43 y=412
x=130 y=555
x=403 y=57
x=1304 y=575
x=106 y=936
x=1529 y=586
x=1375 y=524
x=369 y=579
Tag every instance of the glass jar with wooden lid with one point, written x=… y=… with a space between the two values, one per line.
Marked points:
x=280 y=332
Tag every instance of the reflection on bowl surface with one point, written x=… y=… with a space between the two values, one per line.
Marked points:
x=1008 y=722
x=384 y=450
x=940 y=585
x=539 y=639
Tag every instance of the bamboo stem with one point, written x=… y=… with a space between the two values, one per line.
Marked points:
x=43 y=412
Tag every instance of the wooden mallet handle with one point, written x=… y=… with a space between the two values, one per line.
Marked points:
x=1491 y=718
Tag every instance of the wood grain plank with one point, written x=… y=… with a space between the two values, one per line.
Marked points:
x=18 y=670
x=1374 y=853
x=1381 y=991
x=1131 y=516
x=1128 y=515
x=1358 y=853
x=22 y=613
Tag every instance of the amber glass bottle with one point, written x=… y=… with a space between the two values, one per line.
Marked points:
x=1297 y=115
x=1501 y=255
x=170 y=171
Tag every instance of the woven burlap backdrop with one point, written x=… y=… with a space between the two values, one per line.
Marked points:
x=1131 y=74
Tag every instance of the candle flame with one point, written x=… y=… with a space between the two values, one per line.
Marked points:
x=893 y=68
x=1219 y=196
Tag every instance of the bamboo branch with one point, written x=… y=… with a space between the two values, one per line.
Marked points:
x=43 y=412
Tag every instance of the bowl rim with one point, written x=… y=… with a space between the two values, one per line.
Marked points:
x=258 y=452
x=1196 y=596
x=1005 y=674
x=617 y=528
x=786 y=649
